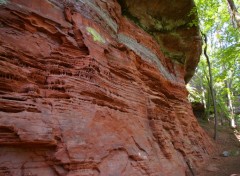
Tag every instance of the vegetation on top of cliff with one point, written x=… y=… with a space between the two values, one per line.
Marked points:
x=218 y=24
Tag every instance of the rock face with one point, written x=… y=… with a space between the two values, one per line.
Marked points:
x=198 y=109
x=84 y=91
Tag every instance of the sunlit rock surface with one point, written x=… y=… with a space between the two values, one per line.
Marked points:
x=84 y=91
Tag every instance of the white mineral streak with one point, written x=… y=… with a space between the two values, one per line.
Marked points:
x=146 y=55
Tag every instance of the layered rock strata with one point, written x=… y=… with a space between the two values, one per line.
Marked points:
x=84 y=91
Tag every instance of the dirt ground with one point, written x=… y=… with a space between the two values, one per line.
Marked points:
x=228 y=143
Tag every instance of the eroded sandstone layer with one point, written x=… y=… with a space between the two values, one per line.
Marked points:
x=84 y=91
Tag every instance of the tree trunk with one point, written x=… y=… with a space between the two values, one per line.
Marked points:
x=203 y=97
x=235 y=16
x=207 y=112
x=211 y=87
x=222 y=114
x=230 y=105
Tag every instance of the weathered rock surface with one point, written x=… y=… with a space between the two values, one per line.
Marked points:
x=86 y=92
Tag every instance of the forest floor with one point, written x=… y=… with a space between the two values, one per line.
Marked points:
x=228 y=143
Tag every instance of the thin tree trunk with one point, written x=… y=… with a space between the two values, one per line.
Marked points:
x=222 y=114
x=203 y=97
x=211 y=86
x=235 y=16
x=230 y=105
x=207 y=106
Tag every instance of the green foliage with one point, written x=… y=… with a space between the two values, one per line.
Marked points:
x=195 y=21
x=194 y=94
x=224 y=52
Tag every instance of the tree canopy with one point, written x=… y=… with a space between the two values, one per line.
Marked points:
x=219 y=22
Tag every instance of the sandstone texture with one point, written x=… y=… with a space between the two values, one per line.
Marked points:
x=85 y=91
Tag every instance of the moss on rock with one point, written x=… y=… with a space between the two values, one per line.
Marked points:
x=95 y=35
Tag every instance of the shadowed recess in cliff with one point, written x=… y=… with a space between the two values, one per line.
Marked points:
x=169 y=22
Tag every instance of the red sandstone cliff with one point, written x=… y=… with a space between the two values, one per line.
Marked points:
x=86 y=92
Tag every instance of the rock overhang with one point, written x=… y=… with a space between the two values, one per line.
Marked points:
x=173 y=24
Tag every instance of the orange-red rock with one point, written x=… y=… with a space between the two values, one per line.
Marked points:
x=85 y=92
